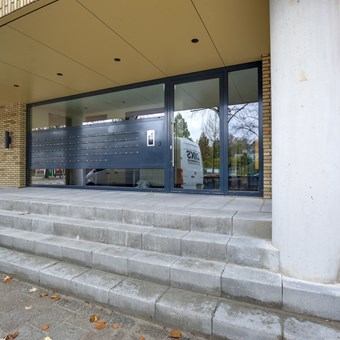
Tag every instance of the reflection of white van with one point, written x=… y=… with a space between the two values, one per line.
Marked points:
x=188 y=165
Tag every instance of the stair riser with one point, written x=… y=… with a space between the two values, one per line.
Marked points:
x=175 y=242
x=258 y=225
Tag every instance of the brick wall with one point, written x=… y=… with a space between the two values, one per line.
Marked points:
x=13 y=160
x=267 y=128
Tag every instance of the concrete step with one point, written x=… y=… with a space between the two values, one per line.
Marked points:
x=198 y=275
x=248 y=251
x=204 y=314
x=240 y=223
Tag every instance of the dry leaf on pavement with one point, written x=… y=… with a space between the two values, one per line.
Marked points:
x=32 y=290
x=94 y=318
x=55 y=297
x=101 y=324
x=8 y=279
x=28 y=307
x=141 y=337
x=175 y=334
x=47 y=338
x=43 y=294
x=44 y=328
x=115 y=325
x=11 y=336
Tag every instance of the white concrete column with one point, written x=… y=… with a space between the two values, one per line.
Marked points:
x=305 y=63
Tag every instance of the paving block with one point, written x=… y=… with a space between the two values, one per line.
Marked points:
x=251 y=284
x=60 y=275
x=95 y=285
x=172 y=220
x=212 y=221
x=138 y=216
x=6 y=218
x=186 y=310
x=66 y=227
x=6 y=236
x=78 y=251
x=39 y=207
x=151 y=266
x=50 y=247
x=25 y=241
x=136 y=297
x=23 y=222
x=295 y=329
x=84 y=212
x=126 y=235
x=6 y=204
x=93 y=231
x=312 y=298
x=253 y=224
x=205 y=245
x=43 y=225
x=111 y=214
x=197 y=275
x=113 y=259
x=59 y=209
x=163 y=240
x=253 y=252
x=236 y=321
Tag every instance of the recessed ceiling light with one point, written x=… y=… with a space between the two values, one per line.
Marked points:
x=117 y=59
x=16 y=85
x=60 y=74
x=194 y=40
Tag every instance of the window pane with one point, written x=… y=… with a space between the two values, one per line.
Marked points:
x=243 y=131
x=197 y=135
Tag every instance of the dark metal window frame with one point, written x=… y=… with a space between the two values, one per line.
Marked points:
x=169 y=82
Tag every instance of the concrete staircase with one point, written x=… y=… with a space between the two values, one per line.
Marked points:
x=209 y=271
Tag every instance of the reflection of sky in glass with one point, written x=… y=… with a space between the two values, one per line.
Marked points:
x=196 y=119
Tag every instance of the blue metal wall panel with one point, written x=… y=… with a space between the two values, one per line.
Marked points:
x=110 y=145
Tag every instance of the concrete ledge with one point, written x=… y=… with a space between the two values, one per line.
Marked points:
x=234 y=321
x=151 y=266
x=252 y=284
x=311 y=298
x=205 y=245
x=253 y=224
x=113 y=259
x=186 y=310
x=197 y=275
x=136 y=297
x=95 y=285
x=60 y=275
x=253 y=252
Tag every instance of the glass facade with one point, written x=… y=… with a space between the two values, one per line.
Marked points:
x=195 y=133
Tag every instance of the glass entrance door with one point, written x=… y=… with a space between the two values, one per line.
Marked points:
x=196 y=136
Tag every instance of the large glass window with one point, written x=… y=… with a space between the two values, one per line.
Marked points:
x=100 y=140
x=197 y=135
x=243 y=130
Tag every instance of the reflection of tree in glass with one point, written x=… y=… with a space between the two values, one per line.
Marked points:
x=181 y=127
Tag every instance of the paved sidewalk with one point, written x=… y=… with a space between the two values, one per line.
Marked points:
x=23 y=310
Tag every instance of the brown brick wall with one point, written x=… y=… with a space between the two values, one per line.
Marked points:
x=13 y=160
x=267 y=128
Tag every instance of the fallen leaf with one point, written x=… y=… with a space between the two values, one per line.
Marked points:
x=8 y=279
x=175 y=334
x=43 y=294
x=24 y=213
x=12 y=336
x=55 y=297
x=101 y=324
x=28 y=307
x=94 y=318
x=47 y=338
x=115 y=325
x=44 y=328
x=32 y=290
x=141 y=337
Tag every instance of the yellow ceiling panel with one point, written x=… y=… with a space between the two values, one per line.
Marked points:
x=161 y=31
x=239 y=29
x=31 y=88
x=67 y=27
